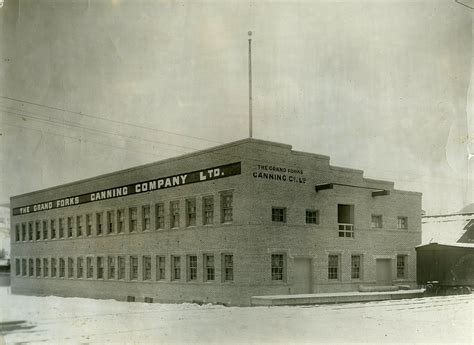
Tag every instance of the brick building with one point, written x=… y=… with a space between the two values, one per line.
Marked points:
x=220 y=225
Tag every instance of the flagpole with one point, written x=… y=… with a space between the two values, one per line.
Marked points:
x=250 y=83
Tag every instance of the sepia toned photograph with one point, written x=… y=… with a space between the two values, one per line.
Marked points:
x=236 y=172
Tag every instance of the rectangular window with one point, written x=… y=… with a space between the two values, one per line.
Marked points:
x=121 y=267
x=228 y=267
x=355 y=266
x=17 y=233
x=160 y=216
x=31 y=267
x=401 y=267
x=79 y=226
x=161 y=267
x=111 y=267
x=146 y=267
x=23 y=267
x=38 y=267
x=345 y=220
x=279 y=214
x=45 y=267
x=61 y=228
x=110 y=222
x=98 y=223
x=23 y=232
x=208 y=210
x=88 y=224
x=38 y=230
x=176 y=269
x=190 y=212
x=174 y=214
x=192 y=267
x=209 y=273
x=62 y=267
x=312 y=217
x=30 y=231
x=120 y=221
x=376 y=221
x=53 y=267
x=17 y=266
x=402 y=223
x=133 y=219
x=53 y=229
x=45 y=229
x=80 y=267
x=69 y=226
x=89 y=267
x=226 y=207
x=146 y=217
x=133 y=267
x=70 y=267
x=278 y=266
x=100 y=267
x=333 y=267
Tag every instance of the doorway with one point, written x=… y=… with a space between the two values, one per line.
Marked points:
x=384 y=271
x=302 y=277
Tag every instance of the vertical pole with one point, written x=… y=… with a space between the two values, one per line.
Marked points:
x=250 y=84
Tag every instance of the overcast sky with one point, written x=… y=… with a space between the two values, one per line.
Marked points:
x=381 y=86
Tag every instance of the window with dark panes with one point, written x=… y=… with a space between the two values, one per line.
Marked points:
x=80 y=267
x=355 y=266
x=79 y=226
x=53 y=229
x=38 y=230
x=62 y=267
x=110 y=222
x=45 y=267
x=146 y=267
x=111 y=267
x=69 y=226
x=278 y=266
x=133 y=219
x=88 y=224
x=208 y=210
x=53 y=267
x=100 y=267
x=192 y=267
x=146 y=217
x=61 y=228
x=31 y=267
x=98 y=223
x=120 y=221
x=312 y=217
x=160 y=216
x=45 y=229
x=133 y=267
x=228 y=267
x=174 y=214
x=121 y=267
x=279 y=214
x=176 y=262
x=89 y=267
x=191 y=212
x=333 y=267
x=70 y=267
x=210 y=267
x=38 y=267
x=161 y=267
x=226 y=207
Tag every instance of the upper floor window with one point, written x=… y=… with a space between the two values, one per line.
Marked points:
x=402 y=223
x=191 y=212
x=17 y=232
x=30 y=231
x=226 y=207
x=146 y=217
x=208 y=210
x=133 y=219
x=99 y=223
x=376 y=221
x=88 y=224
x=79 y=226
x=174 y=214
x=45 y=229
x=110 y=222
x=120 y=221
x=23 y=232
x=345 y=220
x=160 y=216
x=38 y=230
x=312 y=217
x=53 y=229
x=61 y=228
x=279 y=214
x=69 y=226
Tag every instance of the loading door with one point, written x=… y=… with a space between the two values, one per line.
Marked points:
x=384 y=271
x=302 y=276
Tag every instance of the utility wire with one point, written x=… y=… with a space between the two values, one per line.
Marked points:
x=81 y=140
x=65 y=124
x=110 y=120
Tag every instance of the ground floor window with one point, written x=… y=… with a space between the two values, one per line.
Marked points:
x=133 y=267
x=228 y=267
x=146 y=267
x=45 y=267
x=355 y=266
x=209 y=273
x=176 y=262
x=62 y=268
x=23 y=267
x=161 y=267
x=121 y=267
x=278 y=266
x=70 y=267
x=111 y=267
x=192 y=267
x=53 y=267
x=17 y=267
x=333 y=267
x=100 y=267
x=401 y=266
x=80 y=267
x=30 y=267
x=89 y=267
x=38 y=267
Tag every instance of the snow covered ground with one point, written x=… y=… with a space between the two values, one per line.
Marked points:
x=77 y=320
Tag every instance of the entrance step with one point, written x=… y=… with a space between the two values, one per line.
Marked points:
x=377 y=288
x=339 y=297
